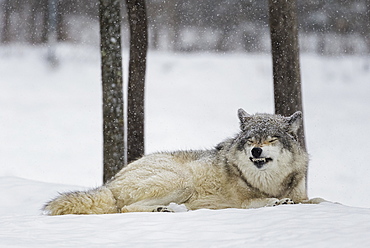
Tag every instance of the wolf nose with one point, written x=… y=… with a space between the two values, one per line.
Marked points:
x=256 y=152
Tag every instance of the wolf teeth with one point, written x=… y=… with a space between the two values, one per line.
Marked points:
x=259 y=160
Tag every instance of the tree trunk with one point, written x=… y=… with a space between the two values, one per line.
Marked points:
x=285 y=56
x=61 y=28
x=31 y=23
x=136 y=84
x=173 y=23
x=45 y=21
x=5 y=37
x=111 y=61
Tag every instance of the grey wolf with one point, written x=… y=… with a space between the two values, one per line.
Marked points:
x=263 y=165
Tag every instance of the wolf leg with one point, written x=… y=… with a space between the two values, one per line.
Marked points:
x=138 y=208
x=266 y=202
x=314 y=201
x=159 y=204
x=260 y=202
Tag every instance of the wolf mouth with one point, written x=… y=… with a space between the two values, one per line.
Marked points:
x=259 y=162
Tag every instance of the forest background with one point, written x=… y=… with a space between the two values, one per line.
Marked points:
x=328 y=27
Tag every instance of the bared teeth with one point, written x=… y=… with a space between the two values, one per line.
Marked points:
x=259 y=160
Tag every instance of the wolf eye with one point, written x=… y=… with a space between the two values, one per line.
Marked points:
x=249 y=141
x=273 y=139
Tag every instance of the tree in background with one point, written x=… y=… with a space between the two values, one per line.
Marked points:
x=111 y=60
x=111 y=65
x=136 y=83
x=285 y=56
x=7 y=9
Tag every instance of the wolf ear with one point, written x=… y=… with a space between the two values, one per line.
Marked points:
x=243 y=117
x=295 y=121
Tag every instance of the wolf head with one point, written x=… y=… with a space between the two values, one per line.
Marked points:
x=269 y=140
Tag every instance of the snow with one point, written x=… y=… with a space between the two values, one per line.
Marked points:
x=51 y=141
x=324 y=225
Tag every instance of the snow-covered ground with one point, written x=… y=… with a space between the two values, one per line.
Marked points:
x=51 y=140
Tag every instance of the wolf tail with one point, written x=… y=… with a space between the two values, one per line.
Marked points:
x=95 y=201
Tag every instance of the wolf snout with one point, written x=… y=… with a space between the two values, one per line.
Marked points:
x=256 y=152
x=256 y=158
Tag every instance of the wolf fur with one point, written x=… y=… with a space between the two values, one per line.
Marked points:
x=263 y=165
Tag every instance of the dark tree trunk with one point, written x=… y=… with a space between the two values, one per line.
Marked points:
x=5 y=37
x=61 y=28
x=31 y=25
x=136 y=84
x=173 y=23
x=45 y=21
x=111 y=61
x=285 y=56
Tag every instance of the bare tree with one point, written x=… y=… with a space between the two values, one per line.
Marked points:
x=136 y=84
x=285 y=56
x=111 y=64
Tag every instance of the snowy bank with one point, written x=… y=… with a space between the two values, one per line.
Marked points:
x=324 y=225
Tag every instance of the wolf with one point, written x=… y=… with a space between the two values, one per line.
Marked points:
x=263 y=165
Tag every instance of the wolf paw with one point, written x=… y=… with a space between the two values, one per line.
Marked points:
x=284 y=201
x=163 y=209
